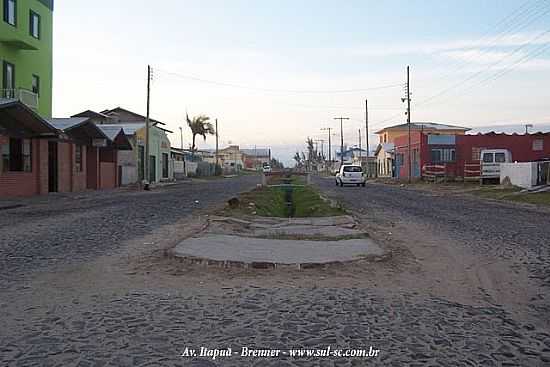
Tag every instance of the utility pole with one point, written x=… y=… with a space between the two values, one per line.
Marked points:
x=181 y=138
x=147 y=123
x=367 y=125
x=341 y=138
x=217 y=147
x=409 y=121
x=360 y=152
x=329 y=144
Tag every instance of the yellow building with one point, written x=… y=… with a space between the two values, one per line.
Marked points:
x=388 y=134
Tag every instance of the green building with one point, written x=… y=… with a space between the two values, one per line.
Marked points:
x=26 y=53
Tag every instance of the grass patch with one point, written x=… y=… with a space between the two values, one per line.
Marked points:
x=513 y=194
x=271 y=202
x=308 y=203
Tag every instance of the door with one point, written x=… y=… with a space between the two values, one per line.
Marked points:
x=152 y=169
x=52 y=167
x=416 y=164
x=165 y=165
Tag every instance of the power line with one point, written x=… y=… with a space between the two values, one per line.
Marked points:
x=522 y=23
x=272 y=90
x=480 y=72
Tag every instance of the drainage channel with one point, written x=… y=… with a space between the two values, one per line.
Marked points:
x=289 y=201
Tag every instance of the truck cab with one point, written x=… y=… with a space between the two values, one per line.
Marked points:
x=490 y=163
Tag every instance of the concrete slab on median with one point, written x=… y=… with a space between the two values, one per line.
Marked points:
x=304 y=230
x=250 y=249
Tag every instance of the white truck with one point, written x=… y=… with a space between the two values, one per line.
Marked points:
x=490 y=160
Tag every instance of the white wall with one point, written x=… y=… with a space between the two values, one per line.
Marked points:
x=520 y=174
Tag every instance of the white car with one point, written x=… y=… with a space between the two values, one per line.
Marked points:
x=267 y=169
x=350 y=174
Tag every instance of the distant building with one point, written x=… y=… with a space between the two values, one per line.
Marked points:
x=133 y=163
x=384 y=158
x=256 y=158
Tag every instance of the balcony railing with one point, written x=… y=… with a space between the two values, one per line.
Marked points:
x=24 y=96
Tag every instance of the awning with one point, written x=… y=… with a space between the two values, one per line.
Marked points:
x=16 y=119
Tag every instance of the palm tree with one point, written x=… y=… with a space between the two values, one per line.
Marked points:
x=200 y=125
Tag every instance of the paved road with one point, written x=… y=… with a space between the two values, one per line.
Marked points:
x=68 y=229
x=86 y=321
x=489 y=228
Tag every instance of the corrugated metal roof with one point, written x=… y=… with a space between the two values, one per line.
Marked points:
x=129 y=128
x=510 y=129
x=67 y=123
x=110 y=131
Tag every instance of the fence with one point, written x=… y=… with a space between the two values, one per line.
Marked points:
x=472 y=171
x=434 y=172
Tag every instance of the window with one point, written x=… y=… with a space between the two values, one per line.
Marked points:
x=34 y=24
x=78 y=158
x=443 y=155
x=36 y=84
x=488 y=158
x=352 y=169
x=8 y=73
x=538 y=144
x=476 y=153
x=10 y=12
x=500 y=157
x=17 y=155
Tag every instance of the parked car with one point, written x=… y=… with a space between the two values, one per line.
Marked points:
x=350 y=174
x=266 y=169
x=490 y=163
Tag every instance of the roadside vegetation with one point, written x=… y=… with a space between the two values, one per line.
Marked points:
x=513 y=193
x=272 y=201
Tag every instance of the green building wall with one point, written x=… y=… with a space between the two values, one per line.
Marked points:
x=28 y=54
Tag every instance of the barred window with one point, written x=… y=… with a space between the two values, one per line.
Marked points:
x=538 y=144
x=443 y=155
x=17 y=155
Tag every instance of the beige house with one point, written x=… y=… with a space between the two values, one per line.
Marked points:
x=384 y=159
x=230 y=158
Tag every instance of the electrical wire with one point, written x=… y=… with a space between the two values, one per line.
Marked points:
x=272 y=90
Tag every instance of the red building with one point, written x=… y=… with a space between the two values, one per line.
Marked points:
x=58 y=155
x=456 y=155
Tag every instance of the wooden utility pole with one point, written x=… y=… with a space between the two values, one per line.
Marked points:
x=341 y=138
x=367 y=125
x=217 y=146
x=147 y=123
x=409 y=121
x=360 y=150
x=329 y=129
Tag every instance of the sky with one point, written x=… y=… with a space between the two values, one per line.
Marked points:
x=276 y=72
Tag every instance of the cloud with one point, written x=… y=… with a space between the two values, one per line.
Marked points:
x=503 y=41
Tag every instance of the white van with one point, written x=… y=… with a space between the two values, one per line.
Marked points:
x=490 y=163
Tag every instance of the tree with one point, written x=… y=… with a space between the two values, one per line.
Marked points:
x=200 y=125
x=298 y=159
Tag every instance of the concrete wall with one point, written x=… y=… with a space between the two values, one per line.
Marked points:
x=127 y=160
x=520 y=174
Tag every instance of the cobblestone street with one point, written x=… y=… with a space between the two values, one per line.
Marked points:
x=84 y=282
